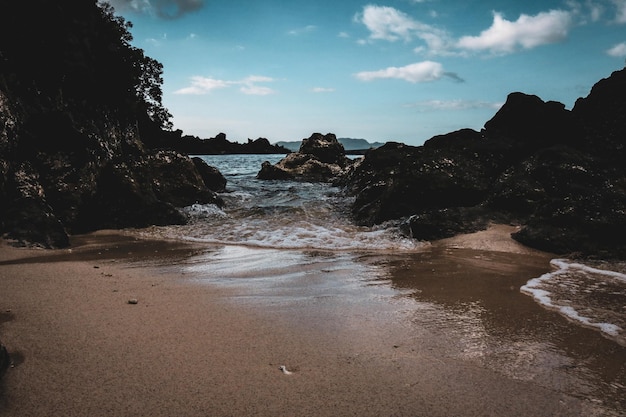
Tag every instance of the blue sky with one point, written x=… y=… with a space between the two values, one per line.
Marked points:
x=402 y=70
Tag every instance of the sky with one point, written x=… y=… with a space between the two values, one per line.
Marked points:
x=391 y=70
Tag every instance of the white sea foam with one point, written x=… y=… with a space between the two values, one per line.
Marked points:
x=592 y=297
x=204 y=210
x=281 y=214
x=293 y=228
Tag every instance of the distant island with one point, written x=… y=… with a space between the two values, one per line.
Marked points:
x=349 y=144
x=219 y=145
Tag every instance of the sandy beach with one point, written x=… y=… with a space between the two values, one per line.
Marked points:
x=393 y=346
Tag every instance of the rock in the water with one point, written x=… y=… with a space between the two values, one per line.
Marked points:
x=325 y=148
x=558 y=173
x=321 y=158
x=398 y=180
x=212 y=177
x=272 y=172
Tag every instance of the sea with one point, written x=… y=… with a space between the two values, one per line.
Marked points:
x=533 y=318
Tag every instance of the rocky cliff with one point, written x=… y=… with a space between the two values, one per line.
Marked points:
x=558 y=173
x=77 y=102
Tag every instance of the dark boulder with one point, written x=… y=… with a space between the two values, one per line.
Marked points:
x=532 y=123
x=176 y=180
x=558 y=173
x=272 y=172
x=124 y=197
x=575 y=202
x=447 y=222
x=321 y=158
x=212 y=177
x=592 y=224
x=600 y=117
x=325 y=148
x=397 y=180
x=27 y=216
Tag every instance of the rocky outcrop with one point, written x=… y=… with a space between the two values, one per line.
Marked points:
x=212 y=177
x=75 y=113
x=558 y=173
x=321 y=158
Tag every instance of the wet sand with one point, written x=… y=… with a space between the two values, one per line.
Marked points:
x=443 y=332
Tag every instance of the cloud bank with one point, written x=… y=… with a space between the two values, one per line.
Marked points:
x=504 y=36
x=618 y=50
x=206 y=85
x=419 y=72
x=389 y=24
x=528 y=32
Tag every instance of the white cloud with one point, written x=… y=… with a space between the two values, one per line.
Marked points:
x=302 y=30
x=454 y=105
x=595 y=11
x=322 y=90
x=205 y=85
x=257 y=79
x=387 y=23
x=620 y=14
x=249 y=86
x=414 y=73
x=618 y=50
x=528 y=32
x=256 y=90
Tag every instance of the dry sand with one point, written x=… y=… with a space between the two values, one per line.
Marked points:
x=191 y=349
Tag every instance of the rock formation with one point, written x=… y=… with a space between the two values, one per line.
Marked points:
x=77 y=105
x=559 y=173
x=321 y=158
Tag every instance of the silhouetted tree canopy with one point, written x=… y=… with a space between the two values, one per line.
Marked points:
x=78 y=52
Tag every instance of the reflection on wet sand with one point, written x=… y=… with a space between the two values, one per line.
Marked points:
x=471 y=299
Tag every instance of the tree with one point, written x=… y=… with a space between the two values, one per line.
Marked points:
x=78 y=53
x=147 y=73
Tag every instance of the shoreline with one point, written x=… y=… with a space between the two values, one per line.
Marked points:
x=189 y=347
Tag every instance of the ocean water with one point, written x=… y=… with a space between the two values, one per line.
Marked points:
x=279 y=222
x=282 y=214
x=292 y=246
x=590 y=296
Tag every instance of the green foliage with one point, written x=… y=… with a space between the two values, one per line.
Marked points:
x=79 y=53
